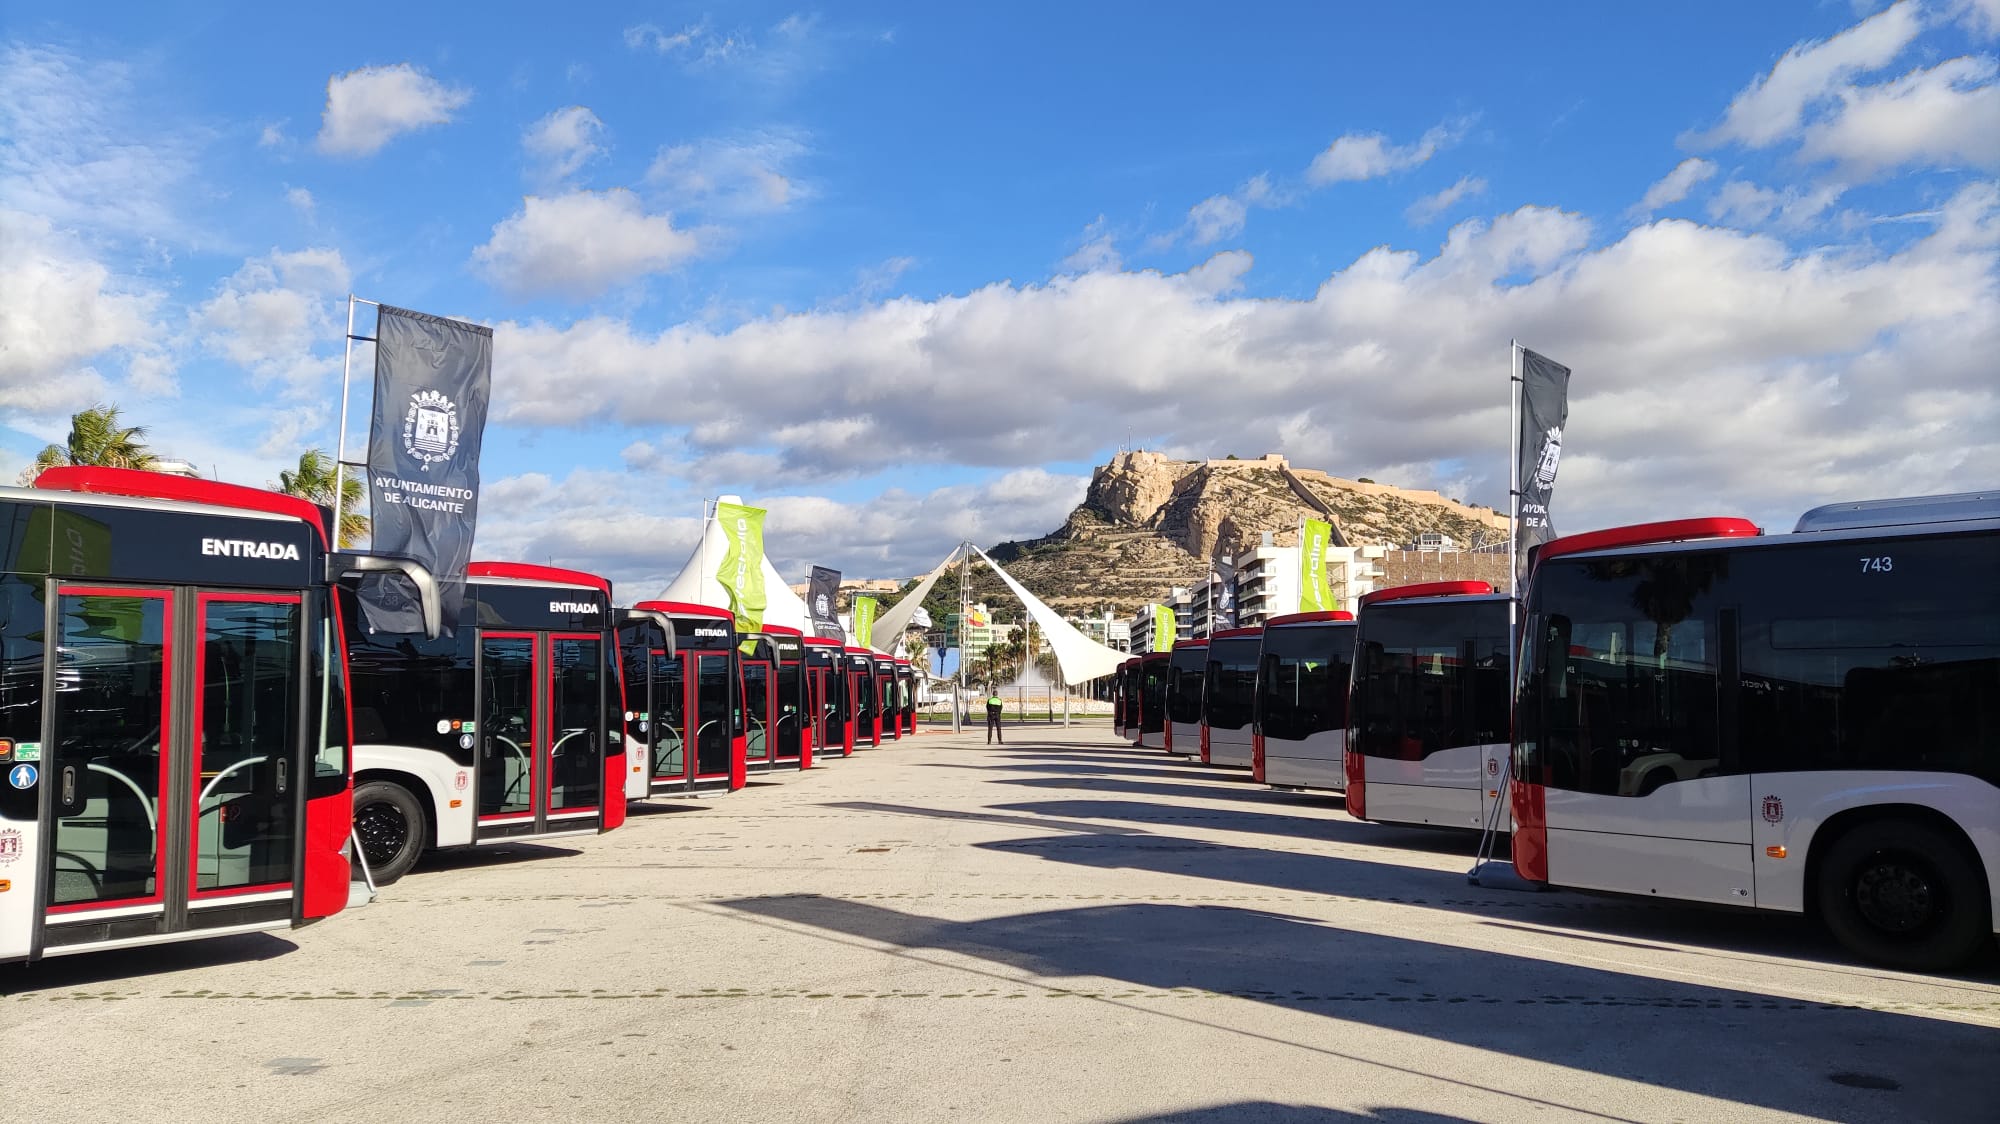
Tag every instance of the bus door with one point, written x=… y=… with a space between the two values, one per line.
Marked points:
x=711 y=714
x=540 y=732
x=792 y=739
x=176 y=766
x=890 y=708
x=760 y=703
x=670 y=758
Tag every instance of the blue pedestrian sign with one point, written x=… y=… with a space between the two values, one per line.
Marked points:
x=23 y=776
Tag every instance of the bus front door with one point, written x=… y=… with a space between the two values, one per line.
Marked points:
x=758 y=699
x=540 y=733
x=176 y=766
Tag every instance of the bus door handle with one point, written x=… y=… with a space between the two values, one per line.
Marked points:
x=66 y=794
x=284 y=773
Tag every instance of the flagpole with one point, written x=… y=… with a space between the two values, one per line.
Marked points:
x=964 y=610
x=1513 y=473
x=340 y=446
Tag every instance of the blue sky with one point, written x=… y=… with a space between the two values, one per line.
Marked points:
x=904 y=274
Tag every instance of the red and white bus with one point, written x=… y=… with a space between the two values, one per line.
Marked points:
x=826 y=679
x=859 y=664
x=687 y=725
x=1187 y=669
x=1427 y=717
x=173 y=712
x=1125 y=700
x=1804 y=722
x=1304 y=665
x=790 y=709
x=1229 y=697
x=1151 y=674
x=888 y=699
x=906 y=694
x=503 y=730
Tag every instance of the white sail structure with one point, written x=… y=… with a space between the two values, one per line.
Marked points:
x=697 y=582
x=1079 y=657
x=892 y=622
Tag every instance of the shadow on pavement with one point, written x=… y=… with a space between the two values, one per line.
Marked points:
x=498 y=854
x=1036 y=824
x=1219 y=791
x=1329 y=825
x=1746 y=1047
x=1272 y=1112
x=137 y=963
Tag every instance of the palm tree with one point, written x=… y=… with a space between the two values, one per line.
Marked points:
x=313 y=480
x=97 y=440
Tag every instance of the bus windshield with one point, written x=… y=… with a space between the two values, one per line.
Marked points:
x=1231 y=682
x=1429 y=676
x=1302 y=680
x=1184 y=685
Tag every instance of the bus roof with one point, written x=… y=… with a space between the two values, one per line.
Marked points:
x=1236 y=633
x=139 y=484
x=826 y=642
x=685 y=609
x=1912 y=511
x=1198 y=642
x=781 y=630
x=1647 y=534
x=1324 y=616
x=528 y=571
x=1426 y=589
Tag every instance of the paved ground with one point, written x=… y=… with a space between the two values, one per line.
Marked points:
x=1063 y=929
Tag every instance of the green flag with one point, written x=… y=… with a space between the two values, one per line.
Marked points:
x=1166 y=629
x=742 y=569
x=864 y=621
x=1315 y=591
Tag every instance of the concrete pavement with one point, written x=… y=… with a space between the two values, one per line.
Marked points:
x=1061 y=928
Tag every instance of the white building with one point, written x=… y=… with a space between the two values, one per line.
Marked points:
x=1267 y=579
x=1106 y=630
x=1182 y=602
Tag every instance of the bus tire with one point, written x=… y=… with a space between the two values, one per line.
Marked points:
x=1904 y=894
x=390 y=822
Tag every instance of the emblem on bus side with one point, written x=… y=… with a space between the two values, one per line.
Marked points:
x=1774 y=809
x=430 y=428
x=10 y=845
x=459 y=781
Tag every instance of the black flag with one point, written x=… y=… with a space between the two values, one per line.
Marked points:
x=1222 y=573
x=1544 y=394
x=432 y=380
x=823 y=600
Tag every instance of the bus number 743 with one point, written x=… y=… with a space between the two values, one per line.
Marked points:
x=1878 y=565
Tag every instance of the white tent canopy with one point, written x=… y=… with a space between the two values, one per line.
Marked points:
x=1080 y=658
x=697 y=582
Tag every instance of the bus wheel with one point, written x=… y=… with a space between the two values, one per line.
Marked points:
x=1903 y=894
x=392 y=829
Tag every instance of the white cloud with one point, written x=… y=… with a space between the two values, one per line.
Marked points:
x=275 y=317
x=1364 y=156
x=61 y=311
x=1747 y=204
x=1946 y=115
x=72 y=150
x=1772 y=107
x=1713 y=367
x=273 y=136
x=581 y=245
x=561 y=143
x=1981 y=17
x=1098 y=252
x=369 y=107
x=1215 y=218
x=1675 y=185
x=1430 y=207
x=302 y=201
x=742 y=175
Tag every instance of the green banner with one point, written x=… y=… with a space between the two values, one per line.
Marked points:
x=1166 y=628
x=1315 y=590
x=864 y=621
x=742 y=569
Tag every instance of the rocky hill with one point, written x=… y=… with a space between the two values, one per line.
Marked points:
x=1149 y=522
